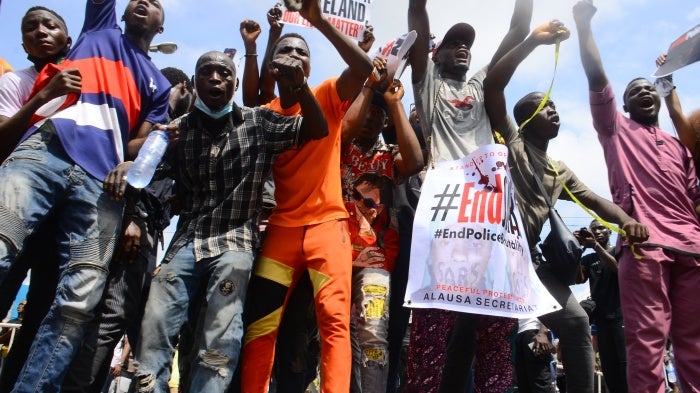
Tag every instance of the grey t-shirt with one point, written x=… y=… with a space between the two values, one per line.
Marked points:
x=454 y=113
x=532 y=205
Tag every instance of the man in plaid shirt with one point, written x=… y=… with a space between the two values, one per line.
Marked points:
x=223 y=155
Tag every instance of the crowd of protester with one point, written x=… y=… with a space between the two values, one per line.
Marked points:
x=289 y=265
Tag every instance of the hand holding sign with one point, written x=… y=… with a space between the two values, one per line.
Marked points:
x=394 y=93
x=683 y=51
x=664 y=85
x=311 y=11
x=293 y=5
x=367 y=39
x=350 y=19
x=378 y=75
x=396 y=54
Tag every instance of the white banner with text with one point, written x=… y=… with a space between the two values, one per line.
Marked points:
x=469 y=252
x=349 y=16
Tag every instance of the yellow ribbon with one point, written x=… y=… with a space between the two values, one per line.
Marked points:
x=596 y=217
x=544 y=101
x=551 y=85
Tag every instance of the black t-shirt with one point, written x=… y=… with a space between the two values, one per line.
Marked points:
x=605 y=289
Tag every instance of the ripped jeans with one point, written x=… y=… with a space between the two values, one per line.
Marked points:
x=37 y=179
x=370 y=317
x=225 y=280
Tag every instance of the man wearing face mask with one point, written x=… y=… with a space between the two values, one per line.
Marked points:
x=223 y=156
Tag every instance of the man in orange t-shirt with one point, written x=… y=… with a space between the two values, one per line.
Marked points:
x=308 y=229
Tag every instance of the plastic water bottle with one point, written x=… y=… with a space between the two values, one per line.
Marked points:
x=150 y=154
x=671 y=372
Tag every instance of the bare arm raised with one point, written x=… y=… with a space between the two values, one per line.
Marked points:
x=519 y=27
x=357 y=112
x=502 y=71
x=359 y=64
x=409 y=161
x=410 y=158
x=682 y=123
x=418 y=20
x=267 y=82
x=250 y=31
x=590 y=56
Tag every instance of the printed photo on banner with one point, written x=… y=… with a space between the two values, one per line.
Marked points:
x=349 y=16
x=683 y=51
x=469 y=251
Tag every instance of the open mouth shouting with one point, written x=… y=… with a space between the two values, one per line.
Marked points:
x=141 y=11
x=462 y=55
x=554 y=118
x=216 y=93
x=646 y=103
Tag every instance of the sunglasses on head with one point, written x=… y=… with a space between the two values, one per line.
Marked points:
x=369 y=202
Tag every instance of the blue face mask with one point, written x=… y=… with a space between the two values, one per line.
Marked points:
x=199 y=104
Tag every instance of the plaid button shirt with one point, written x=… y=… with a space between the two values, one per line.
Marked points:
x=219 y=176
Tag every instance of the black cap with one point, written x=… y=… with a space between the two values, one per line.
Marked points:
x=461 y=32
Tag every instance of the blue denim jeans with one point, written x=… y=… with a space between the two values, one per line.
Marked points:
x=41 y=253
x=39 y=178
x=226 y=279
x=370 y=302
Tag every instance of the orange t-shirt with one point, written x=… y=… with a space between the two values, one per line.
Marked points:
x=307 y=179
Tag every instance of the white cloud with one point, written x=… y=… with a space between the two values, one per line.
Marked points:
x=630 y=33
x=694 y=14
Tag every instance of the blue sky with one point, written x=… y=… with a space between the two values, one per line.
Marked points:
x=630 y=34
